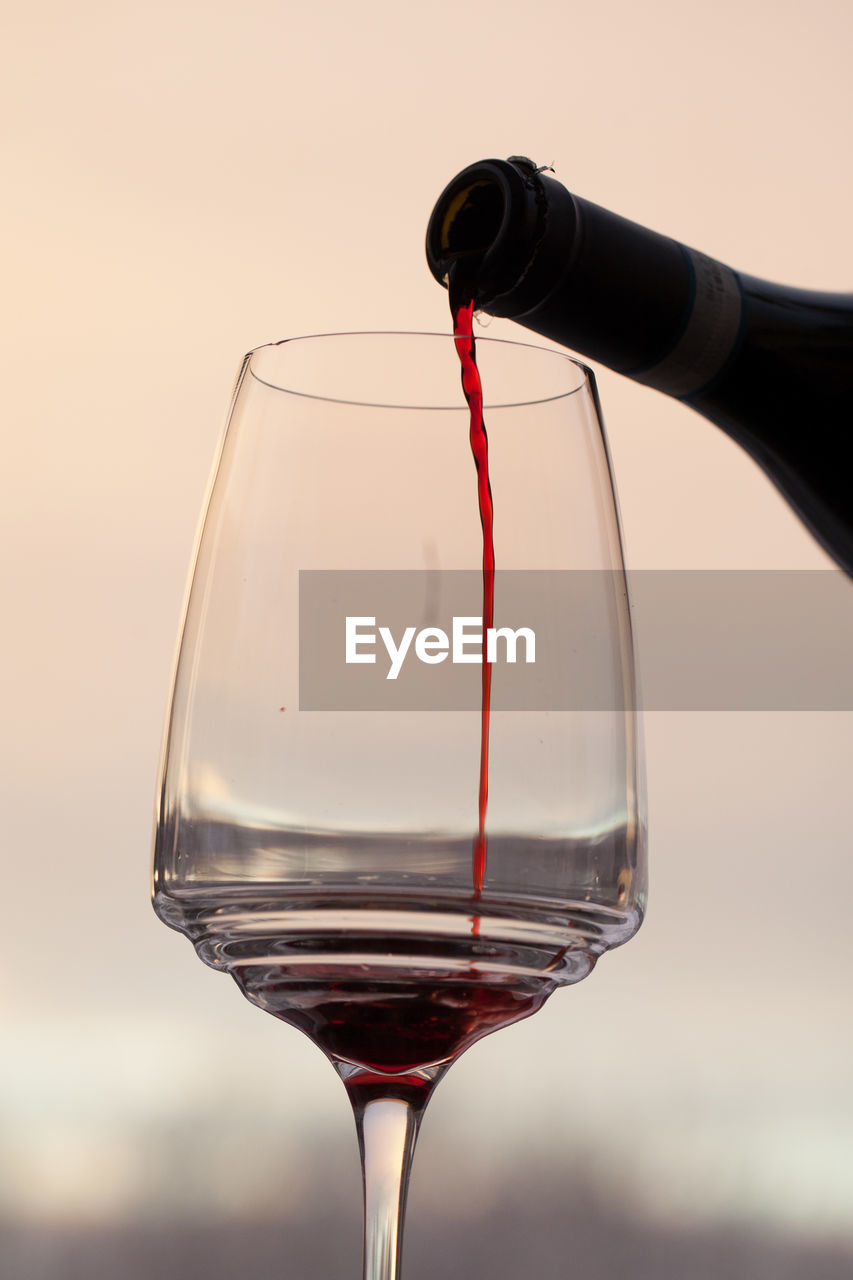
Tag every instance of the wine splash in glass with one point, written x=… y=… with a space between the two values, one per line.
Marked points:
x=324 y=740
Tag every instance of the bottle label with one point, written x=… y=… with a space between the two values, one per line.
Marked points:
x=709 y=336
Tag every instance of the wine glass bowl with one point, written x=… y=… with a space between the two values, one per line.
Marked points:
x=316 y=809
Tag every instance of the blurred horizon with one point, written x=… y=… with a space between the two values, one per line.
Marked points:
x=568 y=1226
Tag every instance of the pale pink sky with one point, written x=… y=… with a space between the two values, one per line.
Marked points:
x=185 y=181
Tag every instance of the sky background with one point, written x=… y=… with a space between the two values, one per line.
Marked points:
x=186 y=181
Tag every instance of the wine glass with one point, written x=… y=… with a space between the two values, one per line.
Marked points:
x=318 y=832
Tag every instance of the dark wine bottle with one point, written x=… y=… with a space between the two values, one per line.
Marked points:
x=772 y=366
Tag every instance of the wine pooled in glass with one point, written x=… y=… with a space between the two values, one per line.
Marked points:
x=401 y=798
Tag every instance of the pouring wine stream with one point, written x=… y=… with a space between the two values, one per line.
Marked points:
x=388 y=1111
x=463 y=316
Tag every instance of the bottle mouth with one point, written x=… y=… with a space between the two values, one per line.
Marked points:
x=471 y=218
x=484 y=228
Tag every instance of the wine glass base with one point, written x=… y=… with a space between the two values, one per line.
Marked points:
x=395 y=984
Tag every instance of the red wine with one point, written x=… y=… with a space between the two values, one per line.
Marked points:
x=389 y=1027
x=463 y=316
x=768 y=364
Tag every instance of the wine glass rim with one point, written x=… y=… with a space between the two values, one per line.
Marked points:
x=586 y=375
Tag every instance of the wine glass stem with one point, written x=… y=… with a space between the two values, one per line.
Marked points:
x=387 y=1132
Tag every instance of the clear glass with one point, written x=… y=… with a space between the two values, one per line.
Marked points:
x=321 y=851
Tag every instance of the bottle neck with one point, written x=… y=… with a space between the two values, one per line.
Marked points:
x=768 y=364
x=526 y=249
x=639 y=302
